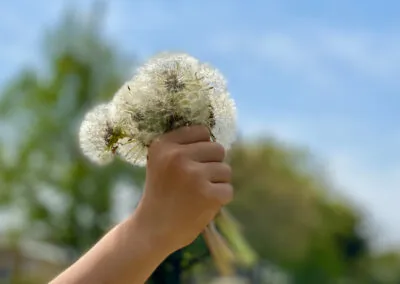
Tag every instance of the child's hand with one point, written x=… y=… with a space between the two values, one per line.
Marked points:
x=187 y=183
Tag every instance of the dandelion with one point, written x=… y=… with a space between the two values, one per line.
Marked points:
x=97 y=136
x=170 y=91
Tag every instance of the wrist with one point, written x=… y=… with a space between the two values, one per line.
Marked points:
x=151 y=238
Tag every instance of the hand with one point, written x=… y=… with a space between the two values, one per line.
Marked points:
x=187 y=183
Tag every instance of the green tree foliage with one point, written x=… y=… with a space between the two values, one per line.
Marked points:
x=384 y=268
x=282 y=201
x=65 y=199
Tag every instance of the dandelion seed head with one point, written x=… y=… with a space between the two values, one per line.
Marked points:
x=223 y=106
x=170 y=91
x=96 y=135
x=132 y=151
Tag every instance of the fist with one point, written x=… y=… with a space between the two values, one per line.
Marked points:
x=187 y=183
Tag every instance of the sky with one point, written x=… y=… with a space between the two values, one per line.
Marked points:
x=319 y=74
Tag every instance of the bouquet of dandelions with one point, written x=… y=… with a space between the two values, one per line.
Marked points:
x=171 y=90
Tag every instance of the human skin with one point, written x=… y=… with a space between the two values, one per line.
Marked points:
x=187 y=183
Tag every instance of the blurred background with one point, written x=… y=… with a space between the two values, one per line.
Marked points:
x=316 y=165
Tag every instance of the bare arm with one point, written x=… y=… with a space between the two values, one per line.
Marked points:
x=129 y=253
x=186 y=185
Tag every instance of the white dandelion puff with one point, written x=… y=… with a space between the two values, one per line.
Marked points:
x=132 y=152
x=170 y=91
x=223 y=106
x=96 y=135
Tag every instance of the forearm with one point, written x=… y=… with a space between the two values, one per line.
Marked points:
x=127 y=254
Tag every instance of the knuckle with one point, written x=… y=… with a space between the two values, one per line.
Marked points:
x=219 y=151
x=222 y=195
x=227 y=171
x=191 y=170
x=227 y=195
x=193 y=175
x=206 y=191
x=158 y=146
x=156 y=142
x=174 y=156
x=203 y=132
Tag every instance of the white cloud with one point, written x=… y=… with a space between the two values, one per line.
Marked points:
x=295 y=56
x=325 y=56
x=374 y=55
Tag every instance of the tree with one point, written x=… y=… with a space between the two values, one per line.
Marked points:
x=281 y=199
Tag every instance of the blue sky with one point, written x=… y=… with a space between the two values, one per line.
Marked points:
x=322 y=74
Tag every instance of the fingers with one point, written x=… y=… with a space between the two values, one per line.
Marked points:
x=217 y=172
x=206 y=158
x=219 y=176
x=187 y=135
x=205 y=152
x=222 y=193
